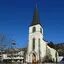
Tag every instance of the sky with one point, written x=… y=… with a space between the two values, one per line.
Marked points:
x=16 y=17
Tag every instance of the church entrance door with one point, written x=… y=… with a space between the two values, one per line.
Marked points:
x=33 y=57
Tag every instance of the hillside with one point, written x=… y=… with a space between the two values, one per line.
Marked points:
x=60 y=48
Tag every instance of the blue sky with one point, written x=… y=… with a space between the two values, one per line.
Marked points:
x=16 y=16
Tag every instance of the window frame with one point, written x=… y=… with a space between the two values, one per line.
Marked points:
x=40 y=30
x=33 y=29
x=33 y=45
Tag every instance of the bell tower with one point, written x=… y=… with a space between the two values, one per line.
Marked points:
x=35 y=37
x=35 y=25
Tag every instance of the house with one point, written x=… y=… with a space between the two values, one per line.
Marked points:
x=13 y=55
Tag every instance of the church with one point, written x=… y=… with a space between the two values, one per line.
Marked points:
x=37 y=46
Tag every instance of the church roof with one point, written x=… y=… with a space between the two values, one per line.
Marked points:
x=35 y=17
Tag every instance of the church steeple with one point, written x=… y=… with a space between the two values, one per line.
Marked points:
x=35 y=20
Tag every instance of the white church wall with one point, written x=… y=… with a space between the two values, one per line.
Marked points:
x=37 y=35
x=37 y=28
x=43 y=48
x=53 y=53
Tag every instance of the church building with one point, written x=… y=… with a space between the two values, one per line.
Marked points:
x=37 y=46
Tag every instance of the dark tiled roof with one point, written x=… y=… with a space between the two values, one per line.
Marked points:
x=45 y=40
x=35 y=17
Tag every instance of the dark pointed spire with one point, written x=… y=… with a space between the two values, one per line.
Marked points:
x=35 y=20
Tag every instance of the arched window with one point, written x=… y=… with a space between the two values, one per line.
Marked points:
x=40 y=30
x=33 y=44
x=39 y=42
x=34 y=54
x=34 y=29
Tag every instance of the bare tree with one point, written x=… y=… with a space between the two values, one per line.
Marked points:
x=12 y=48
x=3 y=45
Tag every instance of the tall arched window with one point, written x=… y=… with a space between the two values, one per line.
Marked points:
x=39 y=42
x=33 y=44
x=40 y=30
x=34 y=29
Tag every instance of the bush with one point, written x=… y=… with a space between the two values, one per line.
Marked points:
x=33 y=62
x=47 y=59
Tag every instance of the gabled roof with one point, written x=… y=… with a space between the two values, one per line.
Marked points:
x=35 y=20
